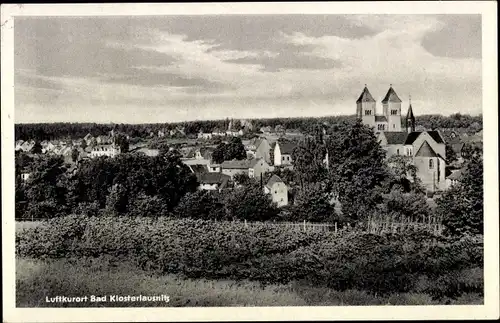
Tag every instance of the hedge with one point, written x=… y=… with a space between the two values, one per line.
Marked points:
x=380 y=264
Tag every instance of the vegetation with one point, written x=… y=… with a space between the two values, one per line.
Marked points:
x=380 y=264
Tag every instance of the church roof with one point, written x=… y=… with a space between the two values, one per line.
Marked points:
x=365 y=96
x=396 y=137
x=391 y=96
x=426 y=151
x=410 y=113
x=380 y=119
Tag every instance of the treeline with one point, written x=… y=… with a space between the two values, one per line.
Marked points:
x=52 y=131
x=358 y=180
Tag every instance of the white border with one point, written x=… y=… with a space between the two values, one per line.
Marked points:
x=489 y=310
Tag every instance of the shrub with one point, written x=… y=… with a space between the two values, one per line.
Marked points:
x=203 y=249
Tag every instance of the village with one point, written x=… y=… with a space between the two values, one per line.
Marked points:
x=268 y=149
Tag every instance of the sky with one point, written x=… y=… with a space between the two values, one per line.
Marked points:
x=174 y=68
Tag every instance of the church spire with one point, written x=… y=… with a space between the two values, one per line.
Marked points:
x=410 y=119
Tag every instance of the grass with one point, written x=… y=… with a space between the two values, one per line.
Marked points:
x=38 y=279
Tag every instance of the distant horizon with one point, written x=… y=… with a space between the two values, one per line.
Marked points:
x=229 y=118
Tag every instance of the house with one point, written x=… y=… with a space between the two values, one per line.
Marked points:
x=102 y=140
x=109 y=150
x=212 y=181
x=48 y=148
x=258 y=167
x=233 y=167
x=259 y=148
x=283 y=153
x=218 y=133
x=246 y=125
x=25 y=174
x=278 y=190
x=266 y=130
x=205 y=135
x=454 y=178
x=214 y=168
x=88 y=138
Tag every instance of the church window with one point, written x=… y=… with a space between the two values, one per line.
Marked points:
x=431 y=164
x=394 y=112
x=381 y=127
x=368 y=112
x=397 y=151
x=393 y=126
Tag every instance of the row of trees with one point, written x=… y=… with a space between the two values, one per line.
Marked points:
x=51 y=131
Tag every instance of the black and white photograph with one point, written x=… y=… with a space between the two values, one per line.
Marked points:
x=214 y=156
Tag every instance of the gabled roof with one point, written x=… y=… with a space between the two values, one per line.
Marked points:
x=412 y=136
x=391 y=96
x=273 y=180
x=235 y=164
x=436 y=136
x=456 y=175
x=365 y=96
x=433 y=134
x=426 y=151
x=396 y=137
x=380 y=119
x=254 y=162
x=213 y=178
x=286 y=148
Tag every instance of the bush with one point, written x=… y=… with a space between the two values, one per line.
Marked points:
x=203 y=249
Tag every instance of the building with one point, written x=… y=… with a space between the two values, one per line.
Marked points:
x=278 y=190
x=233 y=167
x=283 y=153
x=259 y=148
x=258 y=167
x=389 y=120
x=198 y=169
x=205 y=135
x=109 y=150
x=426 y=148
x=212 y=181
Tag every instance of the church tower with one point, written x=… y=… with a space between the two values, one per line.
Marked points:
x=392 y=110
x=365 y=108
x=410 y=119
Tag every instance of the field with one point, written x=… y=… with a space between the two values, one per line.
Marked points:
x=37 y=279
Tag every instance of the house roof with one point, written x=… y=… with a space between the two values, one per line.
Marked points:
x=391 y=96
x=286 y=148
x=426 y=151
x=456 y=175
x=380 y=119
x=273 y=180
x=253 y=162
x=235 y=164
x=396 y=137
x=365 y=96
x=213 y=178
x=457 y=147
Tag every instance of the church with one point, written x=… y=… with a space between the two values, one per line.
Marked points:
x=426 y=148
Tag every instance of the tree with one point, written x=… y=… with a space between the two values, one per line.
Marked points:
x=403 y=175
x=402 y=205
x=37 y=148
x=357 y=168
x=242 y=179
x=74 y=155
x=308 y=163
x=312 y=203
x=117 y=199
x=235 y=150
x=461 y=207
x=219 y=153
x=122 y=142
x=201 y=205
x=451 y=157
x=250 y=203
x=84 y=144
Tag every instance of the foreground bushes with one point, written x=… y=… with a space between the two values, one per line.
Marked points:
x=203 y=249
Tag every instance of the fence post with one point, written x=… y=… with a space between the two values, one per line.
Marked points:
x=304 y=225
x=245 y=223
x=335 y=227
